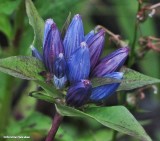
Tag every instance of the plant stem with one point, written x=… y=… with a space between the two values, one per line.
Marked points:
x=55 y=125
x=114 y=135
x=115 y=37
x=131 y=60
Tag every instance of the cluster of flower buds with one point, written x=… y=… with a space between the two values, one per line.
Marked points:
x=76 y=59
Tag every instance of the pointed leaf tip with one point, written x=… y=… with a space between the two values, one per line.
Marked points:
x=133 y=79
x=36 y=22
x=114 y=117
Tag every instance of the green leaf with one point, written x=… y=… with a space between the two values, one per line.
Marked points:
x=116 y=117
x=58 y=10
x=36 y=122
x=66 y=24
x=120 y=119
x=50 y=89
x=5 y=26
x=69 y=111
x=36 y=22
x=27 y=67
x=98 y=81
x=24 y=67
x=97 y=135
x=133 y=79
x=8 y=6
x=66 y=132
x=42 y=95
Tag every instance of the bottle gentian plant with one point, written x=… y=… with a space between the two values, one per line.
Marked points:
x=72 y=62
x=73 y=73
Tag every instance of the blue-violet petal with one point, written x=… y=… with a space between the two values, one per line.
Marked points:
x=79 y=64
x=112 y=62
x=102 y=92
x=47 y=28
x=96 y=44
x=52 y=48
x=89 y=35
x=35 y=53
x=74 y=35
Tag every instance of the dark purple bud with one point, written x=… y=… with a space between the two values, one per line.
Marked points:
x=74 y=36
x=47 y=28
x=102 y=92
x=79 y=64
x=35 y=53
x=52 y=47
x=96 y=44
x=78 y=93
x=60 y=66
x=89 y=35
x=112 y=62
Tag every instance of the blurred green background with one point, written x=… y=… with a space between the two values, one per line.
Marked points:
x=24 y=115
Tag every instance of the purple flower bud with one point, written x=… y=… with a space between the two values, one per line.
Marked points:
x=52 y=47
x=112 y=62
x=79 y=93
x=74 y=36
x=95 y=44
x=47 y=28
x=79 y=64
x=102 y=92
x=89 y=35
x=35 y=53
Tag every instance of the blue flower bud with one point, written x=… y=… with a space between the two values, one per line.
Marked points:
x=60 y=77
x=102 y=92
x=60 y=82
x=79 y=64
x=78 y=93
x=89 y=35
x=35 y=53
x=52 y=47
x=112 y=62
x=60 y=66
x=74 y=36
x=96 y=44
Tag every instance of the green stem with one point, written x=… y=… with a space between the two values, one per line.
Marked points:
x=114 y=137
x=121 y=98
x=41 y=96
x=131 y=60
x=5 y=107
x=133 y=45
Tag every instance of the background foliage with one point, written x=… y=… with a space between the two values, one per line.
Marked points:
x=23 y=115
